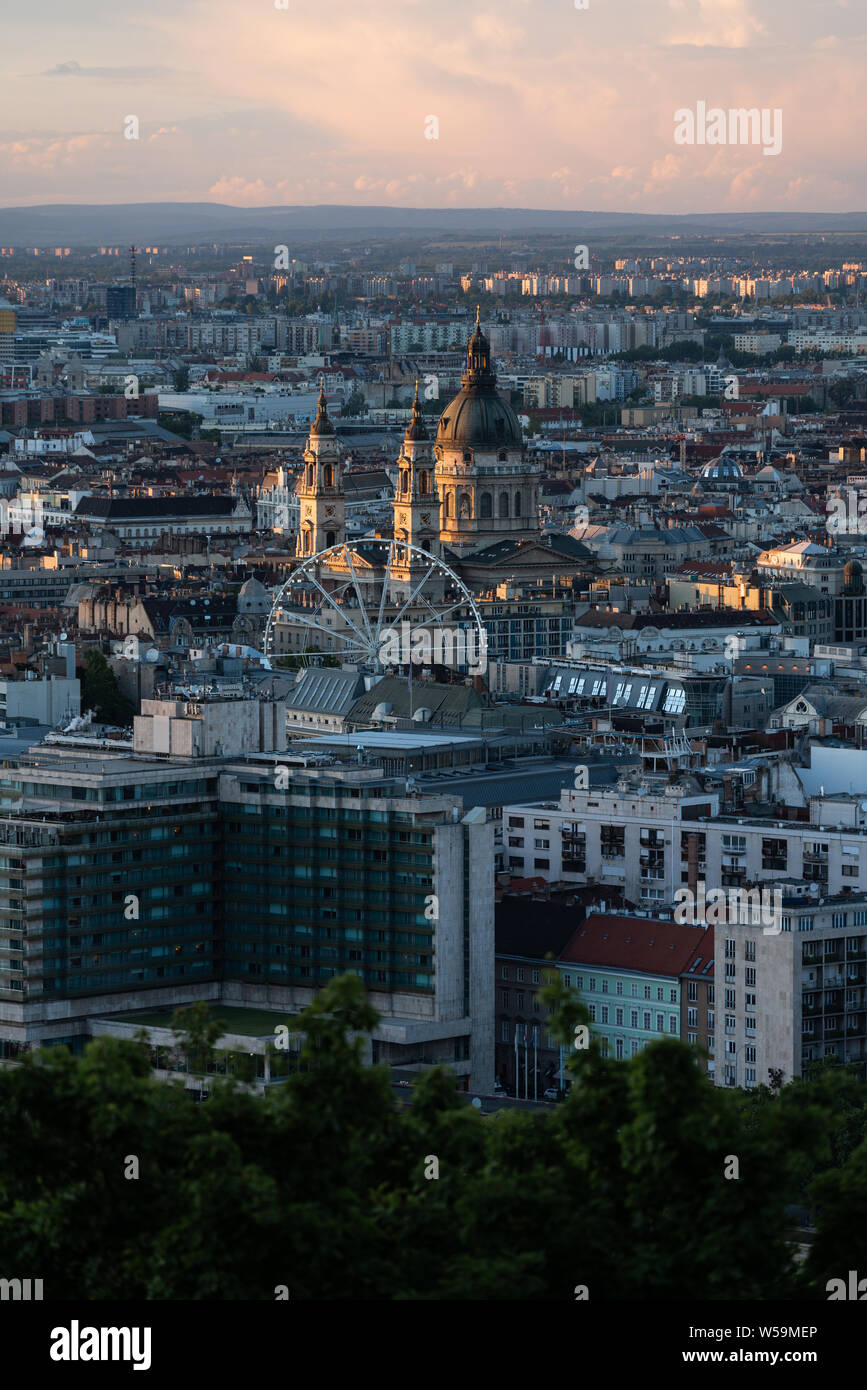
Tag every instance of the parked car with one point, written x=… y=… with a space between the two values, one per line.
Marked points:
x=551 y=1093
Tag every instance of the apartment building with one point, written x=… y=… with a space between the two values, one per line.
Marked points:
x=648 y=838
x=630 y=835
x=630 y=971
x=789 y=999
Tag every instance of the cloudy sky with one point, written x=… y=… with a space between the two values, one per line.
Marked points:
x=539 y=103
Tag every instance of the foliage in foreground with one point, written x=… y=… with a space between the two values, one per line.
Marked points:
x=321 y=1187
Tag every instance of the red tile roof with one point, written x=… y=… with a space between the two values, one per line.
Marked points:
x=645 y=944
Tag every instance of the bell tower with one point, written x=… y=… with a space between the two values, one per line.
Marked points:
x=321 y=503
x=416 y=503
x=416 y=506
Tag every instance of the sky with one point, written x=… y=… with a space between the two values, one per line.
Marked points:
x=537 y=103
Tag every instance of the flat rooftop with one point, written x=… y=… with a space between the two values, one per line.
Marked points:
x=250 y=1023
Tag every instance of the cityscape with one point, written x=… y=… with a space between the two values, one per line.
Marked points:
x=433 y=690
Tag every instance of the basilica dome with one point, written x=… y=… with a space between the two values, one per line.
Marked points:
x=478 y=418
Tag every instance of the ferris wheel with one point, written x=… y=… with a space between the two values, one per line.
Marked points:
x=375 y=603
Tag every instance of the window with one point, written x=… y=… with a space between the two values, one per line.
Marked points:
x=504 y=1031
x=672 y=1023
x=536 y=976
x=647 y=991
x=504 y=973
x=604 y=986
x=647 y=1020
x=691 y=991
x=730 y=999
x=591 y=983
x=618 y=1017
x=660 y=1023
x=619 y=986
x=618 y=1049
x=672 y=996
x=633 y=1018
x=519 y=999
x=749 y=950
x=541 y=863
x=591 y=1008
x=504 y=998
x=604 y=1013
x=692 y=1018
x=567 y=980
x=519 y=972
x=542 y=844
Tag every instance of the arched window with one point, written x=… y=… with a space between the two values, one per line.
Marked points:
x=449 y=504
x=330 y=538
x=404 y=480
x=310 y=471
x=504 y=504
x=328 y=477
x=486 y=506
x=517 y=504
x=423 y=482
x=502 y=456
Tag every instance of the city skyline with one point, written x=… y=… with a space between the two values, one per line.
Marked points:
x=550 y=106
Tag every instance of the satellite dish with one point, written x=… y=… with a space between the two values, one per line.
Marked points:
x=152 y=654
x=477 y=1104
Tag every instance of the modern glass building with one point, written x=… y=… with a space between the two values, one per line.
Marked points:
x=140 y=882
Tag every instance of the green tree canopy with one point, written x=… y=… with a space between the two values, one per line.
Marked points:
x=100 y=691
x=325 y=1185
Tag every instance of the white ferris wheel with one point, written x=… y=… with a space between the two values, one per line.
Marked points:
x=375 y=603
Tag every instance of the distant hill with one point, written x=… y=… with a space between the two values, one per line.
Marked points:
x=71 y=224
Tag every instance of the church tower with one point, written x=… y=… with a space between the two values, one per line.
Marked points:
x=416 y=505
x=321 y=503
x=416 y=502
x=488 y=490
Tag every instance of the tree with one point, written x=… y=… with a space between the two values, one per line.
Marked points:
x=355 y=404
x=325 y=1186
x=198 y=1033
x=101 y=693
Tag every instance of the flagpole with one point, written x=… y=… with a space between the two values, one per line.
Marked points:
x=535 y=1061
